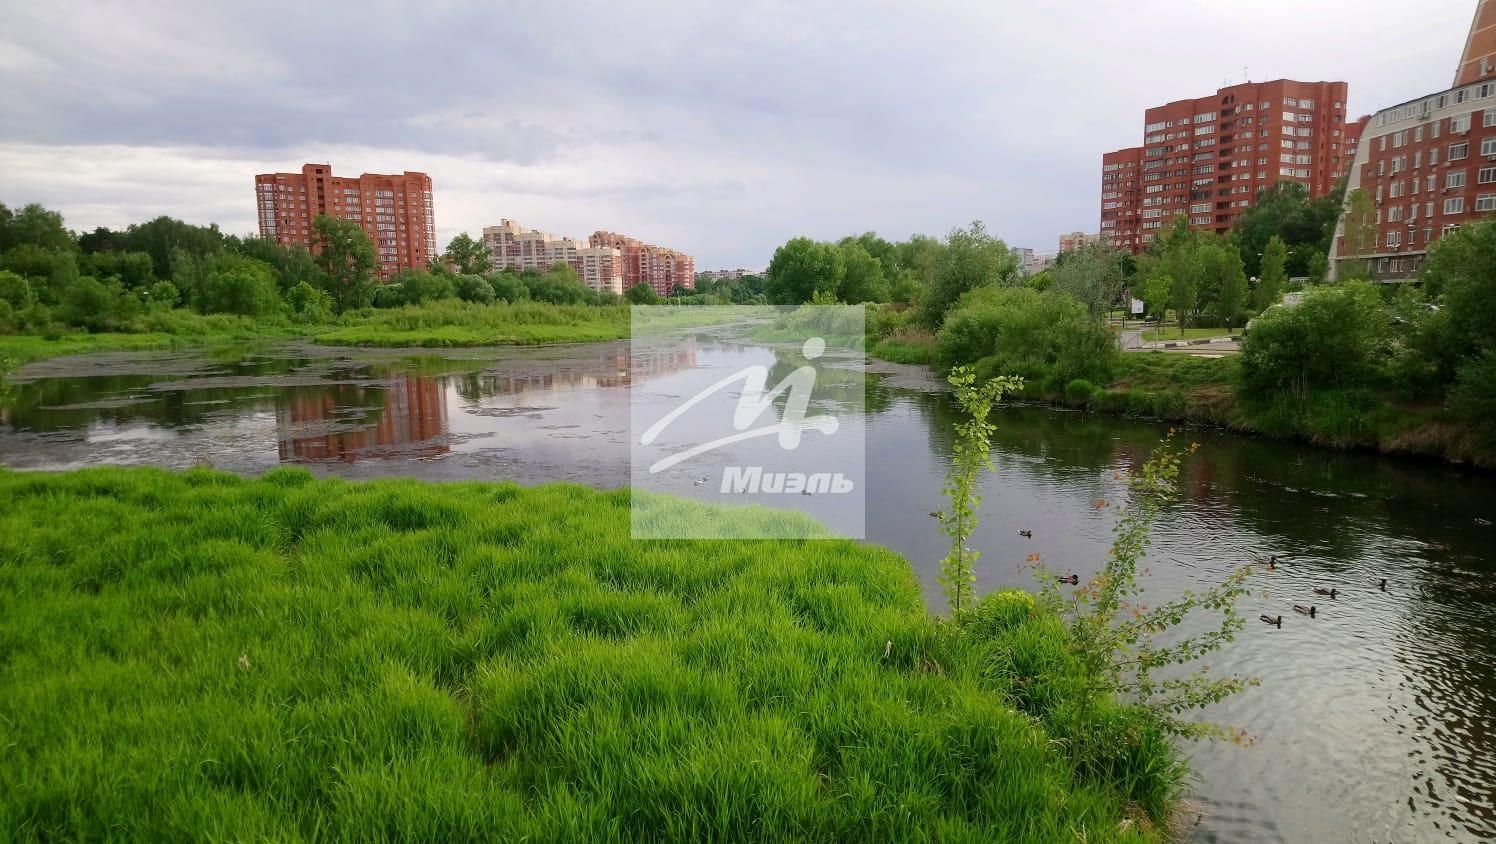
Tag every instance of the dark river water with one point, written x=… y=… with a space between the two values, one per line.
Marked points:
x=1375 y=720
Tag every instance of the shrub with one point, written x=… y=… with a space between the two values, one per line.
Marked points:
x=1041 y=337
x=472 y=288
x=1336 y=337
x=1081 y=392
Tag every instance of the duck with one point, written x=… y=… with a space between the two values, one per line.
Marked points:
x=1026 y=534
x=1274 y=620
x=1331 y=592
x=1309 y=610
x=805 y=492
x=1072 y=579
x=1382 y=584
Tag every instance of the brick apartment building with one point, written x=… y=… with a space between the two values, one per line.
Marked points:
x=394 y=209
x=1429 y=164
x=1207 y=158
x=512 y=246
x=660 y=267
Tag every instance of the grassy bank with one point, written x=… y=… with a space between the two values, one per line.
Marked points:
x=1173 y=386
x=200 y=656
x=438 y=324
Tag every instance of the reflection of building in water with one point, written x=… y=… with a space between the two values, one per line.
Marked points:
x=330 y=423
x=615 y=368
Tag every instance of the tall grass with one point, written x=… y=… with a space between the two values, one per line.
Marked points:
x=199 y=656
x=455 y=323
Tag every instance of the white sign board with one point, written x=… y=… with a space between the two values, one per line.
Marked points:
x=1137 y=307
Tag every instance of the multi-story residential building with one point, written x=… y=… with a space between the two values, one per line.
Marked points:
x=1077 y=240
x=727 y=275
x=1428 y=165
x=395 y=211
x=512 y=246
x=1352 y=145
x=660 y=267
x=1207 y=158
x=1121 y=191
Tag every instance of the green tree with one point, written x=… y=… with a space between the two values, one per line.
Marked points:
x=1157 y=293
x=863 y=279
x=1093 y=275
x=801 y=268
x=473 y=288
x=417 y=286
x=1274 y=279
x=970 y=460
x=293 y=264
x=642 y=294
x=1222 y=276
x=35 y=226
x=467 y=255
x=1360 y=235
x=508 y=287
x=971 y=258
x=1335 y=337
x=234 y=284
x=346 y=257
x=309 y=304
x=1285 y=211
x=163 y=236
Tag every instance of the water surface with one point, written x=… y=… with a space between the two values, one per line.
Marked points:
x=1376 y=720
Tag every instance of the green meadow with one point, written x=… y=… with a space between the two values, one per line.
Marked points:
x=200 y=656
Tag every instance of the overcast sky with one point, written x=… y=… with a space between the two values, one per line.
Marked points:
x=721 y=129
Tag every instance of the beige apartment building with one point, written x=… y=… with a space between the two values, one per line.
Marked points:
x=515 y=247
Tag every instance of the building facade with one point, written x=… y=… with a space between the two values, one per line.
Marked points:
x=512 y=246
x=660 y=267
x=1207 y=158
x=395 y=210
x=1428 y=165
x=1077 y=240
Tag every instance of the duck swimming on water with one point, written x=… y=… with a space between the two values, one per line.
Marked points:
x=1072 y=579
x=1026 y=534
x=1309 y=610
x=1274 y=620
x=1331 y=592
x=1382 y=584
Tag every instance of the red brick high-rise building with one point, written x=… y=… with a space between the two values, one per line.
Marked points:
x=1428 y=165
x=659 y=267
x=394 y=210
x=1207 y=158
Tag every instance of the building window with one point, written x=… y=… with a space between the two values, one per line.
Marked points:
x=1459 y=124
x=1486 y=176
x=1459 y=151
x=1455 y=205
x=1454 y=179
x=1485 y=202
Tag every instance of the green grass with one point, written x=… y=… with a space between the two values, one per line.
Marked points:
x=198 y=656
x=454 y=323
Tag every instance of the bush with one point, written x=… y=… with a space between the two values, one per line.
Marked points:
x=472 y=288
x=1081 y=392
x=1474 y=397
x=308 y=304
x=1048 y=338
x=1336 y=337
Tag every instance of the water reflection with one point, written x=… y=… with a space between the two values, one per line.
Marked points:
x=1377 y=719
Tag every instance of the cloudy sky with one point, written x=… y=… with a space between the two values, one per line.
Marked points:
x=719 y=128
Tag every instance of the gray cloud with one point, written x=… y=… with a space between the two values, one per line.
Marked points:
x=722 y=129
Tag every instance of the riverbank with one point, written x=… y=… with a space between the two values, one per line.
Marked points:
x=442 y=324
x=207 y=656
x=1177 y=387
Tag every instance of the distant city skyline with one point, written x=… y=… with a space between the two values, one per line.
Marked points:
x=741 y=126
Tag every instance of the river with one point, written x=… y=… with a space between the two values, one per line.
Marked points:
x=1374 y=721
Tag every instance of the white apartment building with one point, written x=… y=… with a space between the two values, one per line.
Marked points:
x=515 y=247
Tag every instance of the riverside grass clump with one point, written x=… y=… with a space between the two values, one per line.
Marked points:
x=451 y=322
x=201 y=656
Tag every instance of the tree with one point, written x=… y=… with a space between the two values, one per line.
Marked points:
x=473 y=288
x=1224 y=281
x=1459 y=272
x=346 y=257
x=642 y=294
x=971 y=258
x=1157 y=292
x=1274 y=279
x=1174 y=255
x=1093 y=275
x=234 y=284
x=163 y=236
x=309 y=304
x=863 y=279
x=802 y=268
x=293 y=264
x=1285 y=211
x=468 y=255
x=34 y=226
x=1336 y=337
x=1360 y=233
